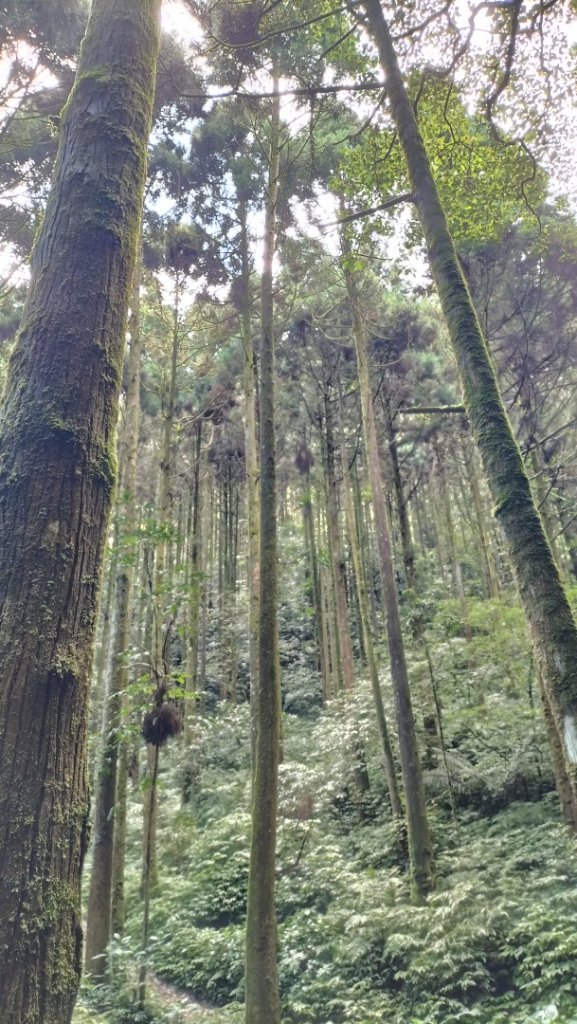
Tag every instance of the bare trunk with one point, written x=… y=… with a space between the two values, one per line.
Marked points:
x=262 y=988
x=98 y=920
x=419 y=838
x=388 y=761
x=343 y=635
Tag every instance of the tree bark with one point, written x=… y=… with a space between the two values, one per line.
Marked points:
x=317 y=601
x=195 y=594
x=551 y=623
x=346 y=668
x=98 y=918
x=57 y=472
x=401 y=502
x=252 y=471
x=262 y=987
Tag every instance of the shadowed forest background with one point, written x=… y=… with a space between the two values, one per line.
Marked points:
x=331 y=734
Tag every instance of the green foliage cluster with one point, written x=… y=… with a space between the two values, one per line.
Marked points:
x=485 y=185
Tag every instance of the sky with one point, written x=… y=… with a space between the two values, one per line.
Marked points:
x=177 y=20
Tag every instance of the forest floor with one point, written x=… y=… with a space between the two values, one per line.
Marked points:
x=166 y=1002
x=496 y=944
x=178 y=999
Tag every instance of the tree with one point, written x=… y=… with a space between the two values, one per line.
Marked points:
x=552 y=626
x=262 y=990
x=57 y=473
x=419 y=836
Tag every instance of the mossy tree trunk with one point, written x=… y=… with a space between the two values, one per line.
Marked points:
x=551 y=623
x=57 y=469
x=262 y=988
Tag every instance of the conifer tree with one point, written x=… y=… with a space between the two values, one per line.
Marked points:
x=551 y=622
x=57 y=473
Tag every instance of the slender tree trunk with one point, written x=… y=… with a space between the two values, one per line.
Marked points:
x=548 y=516
x=401 y=502
x=57 y=469
x=195 y=593
x=366 y=541
x=262 y=988
x=419 y=838
x=118 y=908
x=343 y=635
x=164 y=504
x=148 y=880
x=439 y=541
x=160 y=590
x=309 y=528
x=252 y=470
x=100 y=892
x=388 y=760
x=334 y=650
x=454 y=564
x=552 y=626
x=491 y=578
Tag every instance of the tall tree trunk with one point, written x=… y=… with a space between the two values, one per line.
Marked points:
x=309 y=529
x=148 y=881
x=454 y=563
x=552 y=626
x=418 y=834
x=160 y=598
x=343 y=634
x=252 y=469
x=366 y=539
x=332 y=634
x=118 y=905
x=388 y=761
x=262 y=987
x=98 y=918
x=57 y=471
x=195 y=593
x=491 y=578
x=401 y=502
x=546 y=508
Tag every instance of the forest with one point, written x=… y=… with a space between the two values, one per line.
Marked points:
x=288 y=512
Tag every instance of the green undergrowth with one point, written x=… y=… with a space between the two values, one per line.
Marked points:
x=496 y=943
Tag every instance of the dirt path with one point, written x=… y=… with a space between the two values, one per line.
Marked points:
x=191 y=1009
